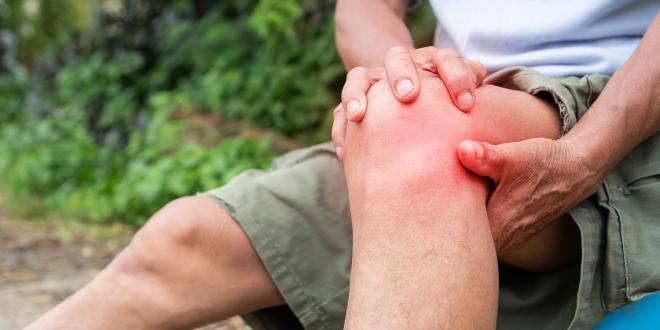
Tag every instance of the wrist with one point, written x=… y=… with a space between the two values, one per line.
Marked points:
x=603 y=137
x=590 y=156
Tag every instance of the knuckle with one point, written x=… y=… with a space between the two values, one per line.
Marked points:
x=451 y=53
x=478 y=66
x=401 y=63
x=423 y=56
x=457 y=82
x=489 y=154
x=445 y=54
x=356 y=72
x=350 y=93
x=399 y=66
x=425 y=50
x=399 y=73
x=396 y=51
x=454 y=71
x=457 y=66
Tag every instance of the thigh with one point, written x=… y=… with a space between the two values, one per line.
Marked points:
x=296 y=218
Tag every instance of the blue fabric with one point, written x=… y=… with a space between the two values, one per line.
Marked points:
x=640 y=315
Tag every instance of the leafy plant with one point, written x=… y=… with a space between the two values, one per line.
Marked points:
x=88 y=90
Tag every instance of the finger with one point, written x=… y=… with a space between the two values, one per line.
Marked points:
x=479 y=71
x=354 y=93
x=402 y=74
x=339 y=130
x=422 y=57
x=444 y=54
x=485 y=159
x=427 y=58
x=460 y=81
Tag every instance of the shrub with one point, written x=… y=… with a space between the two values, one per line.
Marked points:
x=86 y=125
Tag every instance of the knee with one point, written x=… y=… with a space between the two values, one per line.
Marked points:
x=185 y=222
x=191 y=248
x=416 y=141
x=184 y=229
x=420 y=127
x=433 y=123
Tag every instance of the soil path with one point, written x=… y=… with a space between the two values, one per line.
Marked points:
x=41 y=264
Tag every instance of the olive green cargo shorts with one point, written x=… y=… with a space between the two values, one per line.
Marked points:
x=297 y=218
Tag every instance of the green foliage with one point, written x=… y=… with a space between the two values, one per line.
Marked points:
x=276 y=67
x=89 y=89
x=61 y=163
x=274 y=17
x=13 y=93
x=42 y=26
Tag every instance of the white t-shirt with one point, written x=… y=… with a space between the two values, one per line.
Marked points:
x=557 y=37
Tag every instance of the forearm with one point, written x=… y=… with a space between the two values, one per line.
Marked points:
x=366 y=29
x=627 y=111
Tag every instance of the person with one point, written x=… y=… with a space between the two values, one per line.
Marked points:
x=278 y=244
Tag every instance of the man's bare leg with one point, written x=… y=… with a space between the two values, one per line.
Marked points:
x=423 y=255
x=190 y=265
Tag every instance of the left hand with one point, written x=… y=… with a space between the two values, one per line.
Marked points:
x=461 y=77
x=537 y=181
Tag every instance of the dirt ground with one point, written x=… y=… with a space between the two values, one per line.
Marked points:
x=42 y=263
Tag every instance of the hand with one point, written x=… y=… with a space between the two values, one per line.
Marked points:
x=460 y=76
x=536 y=181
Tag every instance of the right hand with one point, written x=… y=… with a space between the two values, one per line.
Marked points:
x=460 y=76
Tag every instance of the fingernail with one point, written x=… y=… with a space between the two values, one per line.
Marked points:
x=404 y=87
x=340 y=152
x=353 y=107
x=465 y=100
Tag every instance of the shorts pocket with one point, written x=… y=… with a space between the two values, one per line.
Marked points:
x=640 y=213
x=637 y=205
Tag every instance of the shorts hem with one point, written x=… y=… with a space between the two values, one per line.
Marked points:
x=268 y=252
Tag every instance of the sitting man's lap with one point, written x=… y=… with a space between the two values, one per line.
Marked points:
x=411 y=148
x=304 y=237
x=423 y=253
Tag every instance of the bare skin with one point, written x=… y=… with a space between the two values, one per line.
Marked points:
x=190 y=265
x=423 y=254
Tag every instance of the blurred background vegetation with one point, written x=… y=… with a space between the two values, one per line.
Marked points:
x=111 y=108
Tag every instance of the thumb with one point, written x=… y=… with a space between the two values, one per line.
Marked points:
x=484 y=158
